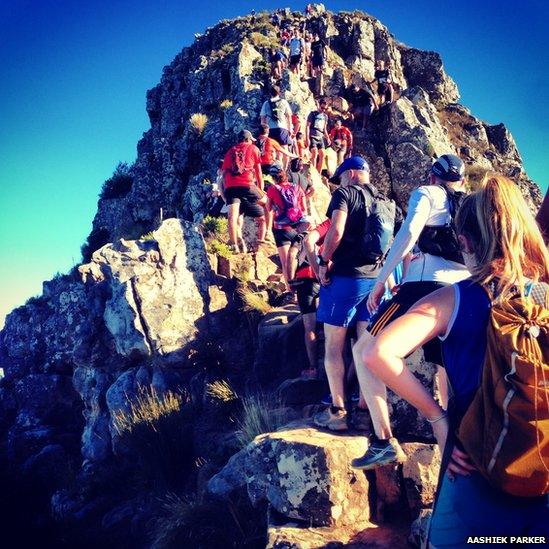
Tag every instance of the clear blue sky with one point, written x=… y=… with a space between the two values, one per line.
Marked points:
x=72 y=98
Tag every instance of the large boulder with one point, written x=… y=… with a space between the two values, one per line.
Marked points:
x=303 y=473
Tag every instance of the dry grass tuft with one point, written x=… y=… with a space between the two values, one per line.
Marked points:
x=254 y=301
x=261 y=413
x=225 y=104
x=221 y=390
x=198 y=122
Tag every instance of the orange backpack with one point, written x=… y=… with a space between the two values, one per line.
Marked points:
x=505 y=430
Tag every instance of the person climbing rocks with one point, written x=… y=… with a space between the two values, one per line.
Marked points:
x=278 y=62
x=493 y=479
x=349 y=264
x=382 y=76
x=297 y=48
x=429 y=229
x=243 y=189
x=362 y=104
x=284 y=38
x=307 y=62
x=318 y=60
x=287 y=203
x=303 y=273
x=317 y=137
x=342 y=141
x=217 y=206
x=271 y=152
x=276 y=112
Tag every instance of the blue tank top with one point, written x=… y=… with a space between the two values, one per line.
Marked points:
x=464 y=344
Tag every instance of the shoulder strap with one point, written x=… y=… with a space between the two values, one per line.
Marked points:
x=539 y=292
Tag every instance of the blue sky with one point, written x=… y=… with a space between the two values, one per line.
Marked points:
x=75 y=73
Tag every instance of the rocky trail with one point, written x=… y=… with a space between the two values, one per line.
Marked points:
x=151 y=397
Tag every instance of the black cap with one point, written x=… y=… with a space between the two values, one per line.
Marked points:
x=449 y=168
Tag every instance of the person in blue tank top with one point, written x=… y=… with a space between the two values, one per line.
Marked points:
x=503 y=248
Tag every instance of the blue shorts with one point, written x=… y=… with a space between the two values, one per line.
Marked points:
x=470 y=506
x=344 y=301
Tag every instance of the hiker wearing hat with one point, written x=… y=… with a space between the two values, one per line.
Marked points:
x=428 y=232
x=362 y=224
x=243 y=189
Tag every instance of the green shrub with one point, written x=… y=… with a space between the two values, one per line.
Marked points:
x=259 y=40
x=216 y=227
x=119 y=184
x=219 y=248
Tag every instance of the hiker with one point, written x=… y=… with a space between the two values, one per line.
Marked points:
x=348 y=266
x=542 y=218
x=437 y=263
x=316 y=137
x=297 y=47
x=362 y=103
x=284 y=38
x=287 y=203
x=298 y=176
x=494 y=478
x=271 y=152
x=275 y=19
x=243 y=189
x=303 y=273
x=385 y=89
x=217 y=206
x=278 y=61
x=318 y=60
x=276 y=112
x=342 y=141
x=300 y=148
x=308 y=39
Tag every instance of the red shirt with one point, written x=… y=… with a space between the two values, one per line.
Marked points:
x=305 y=270
x=267 y=148
x=343 y=134
x=277 y=202
x=251 y=159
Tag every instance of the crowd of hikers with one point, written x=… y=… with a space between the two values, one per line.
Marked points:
x=464 y=275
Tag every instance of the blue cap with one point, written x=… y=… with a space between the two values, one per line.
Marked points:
x=449 y=167
x=352 y=163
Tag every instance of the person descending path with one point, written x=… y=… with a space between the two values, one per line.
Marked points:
x=362 y=104
x=437 y=263
x=243 y=189
x=278 y=63
x=318 y=60
x=297 y=50
x=362 y=223
x=303 y=273
x=276 y=112
x=287 y=203
x=342 y=141
x=494 y=329
x=316 y=137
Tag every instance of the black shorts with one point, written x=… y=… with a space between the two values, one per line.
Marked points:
x=247 y=197
x=408 y=294
x=281 y=136
x=318 y=143
x=295 y=59
x=265 y=168
x=318 y=62
x=284 y=236
x=307 y=290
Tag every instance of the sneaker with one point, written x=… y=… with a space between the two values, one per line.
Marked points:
x=360 y=419
x=327 y=400
x=234 y=248
x=334 y=421
x=380 y=452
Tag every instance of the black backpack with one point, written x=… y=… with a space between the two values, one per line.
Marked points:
x=379 y=225
x=442 y=240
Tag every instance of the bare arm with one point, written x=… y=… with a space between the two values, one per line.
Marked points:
x=309 y=244
x=259 y=175
x=331 y=242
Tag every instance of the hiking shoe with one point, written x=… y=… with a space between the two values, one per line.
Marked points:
x=327 y=400
x=360 y=419
x=332 y=420
x=380 y=452
x=234 y=248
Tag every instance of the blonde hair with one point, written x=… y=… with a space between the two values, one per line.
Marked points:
x=505 y=238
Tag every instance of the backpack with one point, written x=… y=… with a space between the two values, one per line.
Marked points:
x=379 y=224
x=277 y=110
x=292 y=212
x=442 y=240
x=505 y=430
x=238 y=163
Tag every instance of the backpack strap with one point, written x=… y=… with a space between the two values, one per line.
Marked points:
x=539 y=292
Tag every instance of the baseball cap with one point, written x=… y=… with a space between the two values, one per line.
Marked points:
x=448 y=167
x=352 y=163
x=245 y=134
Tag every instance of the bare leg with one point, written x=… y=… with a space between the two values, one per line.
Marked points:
x=333 y=362
x=442 y=383
x=314 y=153
x=372 y=388
x=283 y=255
x=261 y=228
x=232 y=215
x=309 y=324
x=320 y=160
